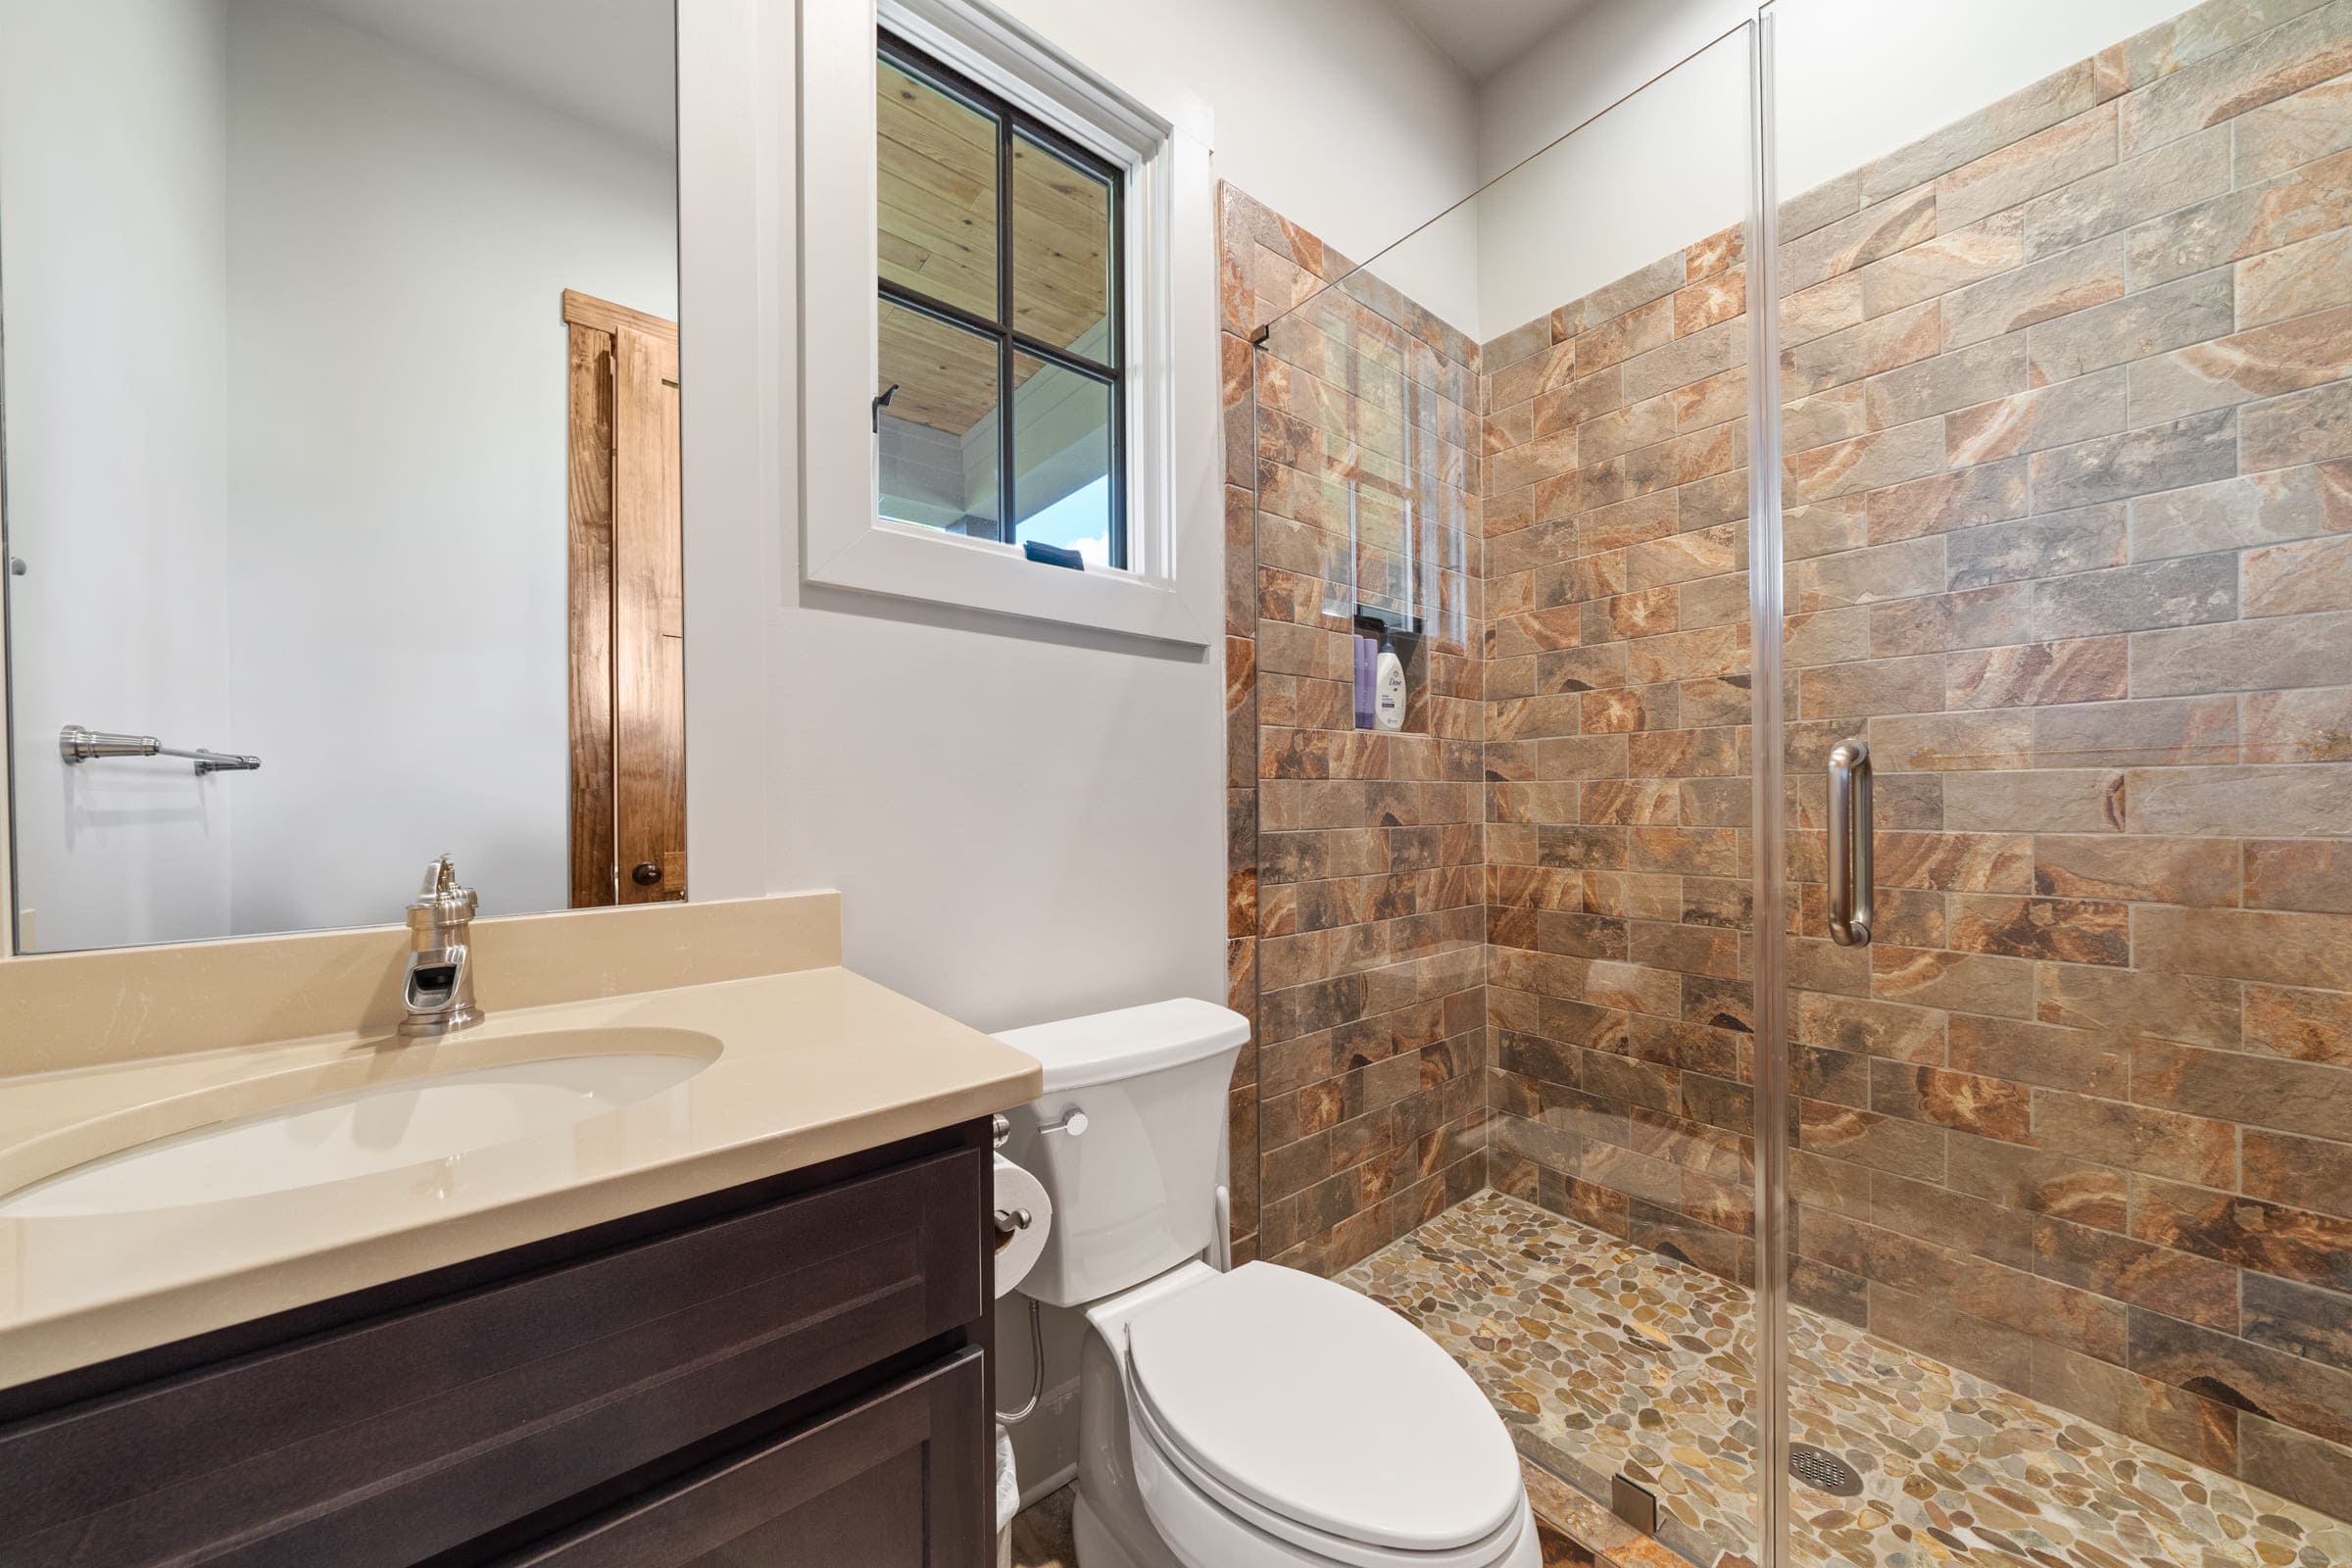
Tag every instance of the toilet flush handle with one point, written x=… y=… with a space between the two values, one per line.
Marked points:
x=1074 y=1124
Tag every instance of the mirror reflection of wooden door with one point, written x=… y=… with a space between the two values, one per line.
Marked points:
x=628 y=669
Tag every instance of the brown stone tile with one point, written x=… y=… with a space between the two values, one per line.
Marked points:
x=2297 y=1172
x=2013 y=299
x=1944 y=503
x=1972 y=619
x=2059 y=545
x=2039 y=1181
x=2040 y=800
x=1952 y=260
x=2136 y=189
x=2002 y=123
x=1959 y=981
x=2183 y=1007
x=2306 y=874
x=2292 y=1464
x=2262 y=1236
x=2258 y=1090
x=2191 y=451
x=2143 y=733
x=2296 y=580
x=2137 y=1138
x=2063 y=930
x=2174 y=1419
x=2312 y=426
x=1890 y=1144
x=2292 y=132
x=2030 y=674
x=1856 y=353
x=1940 y=383
x=2029 y=167
x=2303 y=1394
x=2046 y=1055
x=2270 y=802
x=2266 y=361
x=2179 y=1284
x=2276 y=946
x=2195 y=871
x=2309 y=50
x=2259 y=508
x=1990 y=1107
x=2310 y=199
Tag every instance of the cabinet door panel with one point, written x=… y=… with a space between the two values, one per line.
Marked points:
x=897 y=1480
x=384 y=1444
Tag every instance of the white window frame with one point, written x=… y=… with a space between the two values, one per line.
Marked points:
x=1169 y=590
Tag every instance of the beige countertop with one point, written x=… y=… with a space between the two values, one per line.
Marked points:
x=803 y=1066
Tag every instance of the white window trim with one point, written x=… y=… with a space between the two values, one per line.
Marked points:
x=1171 y=589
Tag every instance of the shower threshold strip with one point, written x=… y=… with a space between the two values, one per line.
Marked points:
x=1607 y=1359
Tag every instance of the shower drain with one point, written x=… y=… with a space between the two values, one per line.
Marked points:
x=1823 y=1470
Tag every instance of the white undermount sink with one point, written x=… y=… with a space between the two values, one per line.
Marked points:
x=385 y=1126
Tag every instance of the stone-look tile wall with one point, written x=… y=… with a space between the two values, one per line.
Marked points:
x=2068 y=402
x=2068 y=460
x=1618 y=878
x=1356 y=936
x=2068 y=464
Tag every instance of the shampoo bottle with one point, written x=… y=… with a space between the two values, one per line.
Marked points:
x=1388 y=685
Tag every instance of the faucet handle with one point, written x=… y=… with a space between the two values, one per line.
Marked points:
x=441 y=889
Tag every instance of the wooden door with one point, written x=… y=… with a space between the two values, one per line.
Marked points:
x=629 y=667
x=899 y=1480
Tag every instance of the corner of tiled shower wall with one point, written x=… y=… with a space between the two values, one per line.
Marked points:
x=1617 y=757
x=1351 y=450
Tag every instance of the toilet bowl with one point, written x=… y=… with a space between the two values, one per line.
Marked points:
x=1258 y=1418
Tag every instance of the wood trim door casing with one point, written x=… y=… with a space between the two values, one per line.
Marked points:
x=627 y=613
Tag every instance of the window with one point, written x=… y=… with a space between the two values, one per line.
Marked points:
x=1026 y=252
x=1000 y=289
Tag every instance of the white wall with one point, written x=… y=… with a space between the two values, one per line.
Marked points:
x=1334 y=113
x=401 y=234
x=1855 y=79
x=112 y=167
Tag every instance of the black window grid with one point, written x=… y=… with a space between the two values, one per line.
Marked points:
x=1010 y=340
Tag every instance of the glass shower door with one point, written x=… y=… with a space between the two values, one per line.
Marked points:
x=2065 y=332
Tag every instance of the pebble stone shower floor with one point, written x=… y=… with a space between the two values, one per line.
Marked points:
x=1608 y=1357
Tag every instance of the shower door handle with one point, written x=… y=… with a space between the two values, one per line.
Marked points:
x=1849 y=844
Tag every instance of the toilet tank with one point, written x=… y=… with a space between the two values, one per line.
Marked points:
x=1134 y=1193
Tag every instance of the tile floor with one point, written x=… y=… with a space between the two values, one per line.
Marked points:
x=1605 y=1357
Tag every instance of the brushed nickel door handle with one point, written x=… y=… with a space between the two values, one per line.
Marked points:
x=1849 y=844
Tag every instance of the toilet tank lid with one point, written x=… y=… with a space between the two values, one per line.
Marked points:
x=1104 y=1046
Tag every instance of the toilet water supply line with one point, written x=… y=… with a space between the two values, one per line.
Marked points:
x=1037 y=1370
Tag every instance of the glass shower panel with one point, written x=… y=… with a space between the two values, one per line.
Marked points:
x=1503 y=964
x=2065 y=322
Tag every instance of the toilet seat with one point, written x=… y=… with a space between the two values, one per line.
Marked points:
x=1296 y=1409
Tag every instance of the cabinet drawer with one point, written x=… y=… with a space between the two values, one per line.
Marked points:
x=387 y=1442
x=897 y=1480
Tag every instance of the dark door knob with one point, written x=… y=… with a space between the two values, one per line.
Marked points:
x=646 y=874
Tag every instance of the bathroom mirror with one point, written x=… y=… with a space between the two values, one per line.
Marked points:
x=341 y=395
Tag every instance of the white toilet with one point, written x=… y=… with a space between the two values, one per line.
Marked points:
x=1261 y=1418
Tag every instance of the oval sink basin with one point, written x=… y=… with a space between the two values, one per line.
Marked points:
x=385 y=1126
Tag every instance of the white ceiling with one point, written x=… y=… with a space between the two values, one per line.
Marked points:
x=1482 y=36
x=612 y=63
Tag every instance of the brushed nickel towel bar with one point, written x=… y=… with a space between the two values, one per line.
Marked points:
x=79 y=744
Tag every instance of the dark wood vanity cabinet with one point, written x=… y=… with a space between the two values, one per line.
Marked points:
x=790 y=1373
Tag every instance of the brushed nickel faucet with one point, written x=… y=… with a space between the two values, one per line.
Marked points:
x=439 y=993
